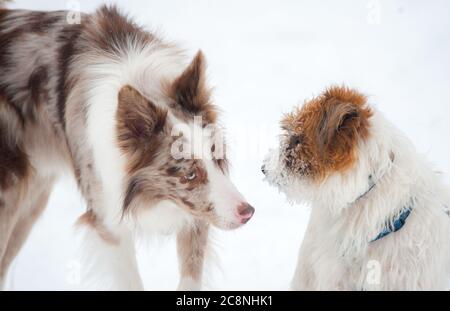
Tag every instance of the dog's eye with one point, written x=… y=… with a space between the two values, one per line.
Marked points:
x=294 y=141
x=191 y=176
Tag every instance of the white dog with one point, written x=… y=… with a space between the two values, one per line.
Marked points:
x=380 y=218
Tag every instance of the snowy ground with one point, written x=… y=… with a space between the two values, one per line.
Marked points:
x=264 y=58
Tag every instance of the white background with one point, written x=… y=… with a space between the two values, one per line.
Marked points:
x=264 y=58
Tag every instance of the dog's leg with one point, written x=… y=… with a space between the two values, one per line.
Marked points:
x=10 y=203
x=303 y=276
x=109 y=261
x=8 y=217
x=22 y=229
x=191 y=246
x=27 y=200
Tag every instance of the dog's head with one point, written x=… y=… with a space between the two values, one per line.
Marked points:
x=321 y=148
x=174 y=152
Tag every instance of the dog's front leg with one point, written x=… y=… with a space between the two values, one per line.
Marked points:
x=109 y=261
x=191 y=246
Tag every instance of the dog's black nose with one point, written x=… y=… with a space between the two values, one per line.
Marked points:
x=263 y=169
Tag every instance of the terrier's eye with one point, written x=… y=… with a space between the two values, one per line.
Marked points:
x=294 y=141
x=191 y=176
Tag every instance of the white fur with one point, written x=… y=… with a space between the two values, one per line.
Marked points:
x=224 y=195
x=336 y=253
x=108 y=266
x=163 y=218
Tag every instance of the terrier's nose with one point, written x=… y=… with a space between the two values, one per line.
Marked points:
x=263 y=169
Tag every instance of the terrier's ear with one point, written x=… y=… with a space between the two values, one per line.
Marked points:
x=345 y=119
x=339 y=119
x=138 y=119
x=188 y=90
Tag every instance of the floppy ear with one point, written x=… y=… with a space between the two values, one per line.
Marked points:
x=188 y=90
x=342 y=124
x=138 y=119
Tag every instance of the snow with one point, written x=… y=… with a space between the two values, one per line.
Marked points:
x=264 y=58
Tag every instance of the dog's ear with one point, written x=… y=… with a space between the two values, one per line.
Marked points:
x=339 y=119
x=138 y=119
x=345 y=119
x=188 y=90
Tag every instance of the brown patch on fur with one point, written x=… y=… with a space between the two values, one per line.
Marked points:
x=323 y=134
x=190 y=93
x=14 y=164
x=173 y=170
x=135 y=187
x=188 y=203
x=222 y=164
x=69 y=35
x=6 y=41
x=200 y=179
x=3 y=13
x=111 y=30
x=171 y=183
x=175 y=183
x=209 y=208
x=139 y=127
x=36 y=82
x=42 y=22
x=90 y=219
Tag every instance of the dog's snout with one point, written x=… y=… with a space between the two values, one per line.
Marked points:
x=263 y=169
x=245 y=212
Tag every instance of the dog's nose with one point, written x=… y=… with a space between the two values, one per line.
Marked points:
x=245 y=212
x=263 y=169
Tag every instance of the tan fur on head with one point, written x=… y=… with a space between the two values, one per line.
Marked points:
x=322 y=136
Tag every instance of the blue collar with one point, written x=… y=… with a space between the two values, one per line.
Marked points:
x=396 y=224
x=372 y=185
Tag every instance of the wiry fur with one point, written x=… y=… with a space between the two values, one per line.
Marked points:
x=101 y=98
x=337 y=252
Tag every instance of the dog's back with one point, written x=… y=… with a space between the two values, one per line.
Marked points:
x=32 y=145
x=35 y=48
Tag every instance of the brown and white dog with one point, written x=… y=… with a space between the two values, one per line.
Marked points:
x=131 y=119
x=379 y=213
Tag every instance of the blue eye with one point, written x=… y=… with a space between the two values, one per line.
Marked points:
x=191 y=176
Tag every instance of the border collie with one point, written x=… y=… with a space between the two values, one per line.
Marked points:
x=132 y=119
x=379 y=218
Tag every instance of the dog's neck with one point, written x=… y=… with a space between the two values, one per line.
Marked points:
x=372 y=183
